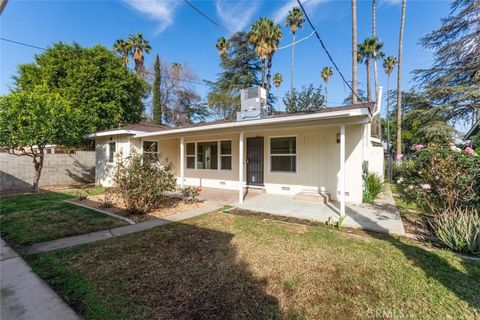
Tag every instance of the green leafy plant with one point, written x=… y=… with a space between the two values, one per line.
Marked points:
x=459 y=229
x=81 y=195
x=142 y=181
x=190 y=194
x=340 y=221
x=373 y=187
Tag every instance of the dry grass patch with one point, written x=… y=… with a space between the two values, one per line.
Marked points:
x=220 y=266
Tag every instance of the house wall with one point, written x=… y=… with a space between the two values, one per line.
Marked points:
x=104 y=170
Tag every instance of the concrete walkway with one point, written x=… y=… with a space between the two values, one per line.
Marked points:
x=121 y=231
x=382 y=217
x=24 y=296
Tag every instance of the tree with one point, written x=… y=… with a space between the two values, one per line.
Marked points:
x=277 y=80
x=307 y=100
x=222 y=46
x=240 y=67
x=295 y=21
x=369 y=49
x=31 y=119
x=354 y=52
x=374 y=36
x=157 y=112
x=123 y=48
x=453 y=81
x=104 y=93
x=349 y=98
x=326 y=74
x=388 y=65
x=399 y=84
x=139 y=45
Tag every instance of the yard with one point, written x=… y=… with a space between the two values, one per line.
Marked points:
x=223 y=266
x=32 y=218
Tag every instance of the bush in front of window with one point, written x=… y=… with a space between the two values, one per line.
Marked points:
x=142 y=181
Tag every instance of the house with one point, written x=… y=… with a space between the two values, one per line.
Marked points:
x=315 y=152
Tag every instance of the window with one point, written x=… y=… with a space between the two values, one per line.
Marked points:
x=226 y=155
x=207 y=155
x=283 y=154
x=190 y=155
x=111 y=151
x=150 y=149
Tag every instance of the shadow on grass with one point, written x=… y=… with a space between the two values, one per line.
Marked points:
x=177 y=271
x=465 y=285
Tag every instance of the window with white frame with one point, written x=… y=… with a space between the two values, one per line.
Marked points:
x=207 y=155
x=112 y=148
x=283 y=154
x=226 y=155
x=190 y=155
x=150 y=149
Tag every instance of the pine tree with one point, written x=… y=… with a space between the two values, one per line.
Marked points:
x=157 y=111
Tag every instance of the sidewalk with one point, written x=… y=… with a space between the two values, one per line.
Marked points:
x=24 y=295
x=120 y=231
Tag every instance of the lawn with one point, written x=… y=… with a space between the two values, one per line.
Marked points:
x=32 y=218
x=223 y=266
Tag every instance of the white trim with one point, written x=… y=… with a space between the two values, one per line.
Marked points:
x=240 y=166
x=235 y=124
x=182 y=162
x=342 y=170
x=114 y=132
x=288 y=173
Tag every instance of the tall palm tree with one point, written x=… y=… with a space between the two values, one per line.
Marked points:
x=388 y=65
x=123 y=48
x=295 y=21
x=265 y=35
x=399 y=86
x=139 y=45
x=326 y=74
x=354 y=52
x=277 y=79
x=222 y=46
x=368 y=50
x=374 y=36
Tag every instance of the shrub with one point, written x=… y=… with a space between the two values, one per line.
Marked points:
x=81 y=195
x=459 y=229
x=142 y=181
x=107 y=199
x=190 y=194
x=373 y=187
x=441 y=178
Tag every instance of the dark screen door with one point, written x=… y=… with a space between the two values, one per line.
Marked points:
x=255 y=161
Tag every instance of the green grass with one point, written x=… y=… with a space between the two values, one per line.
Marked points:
x=33 y=218
x=222 y=266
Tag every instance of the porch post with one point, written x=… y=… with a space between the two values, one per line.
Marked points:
x=342 y=170
x=240 y=167
x=182 y=162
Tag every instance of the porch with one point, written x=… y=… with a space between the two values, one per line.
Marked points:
x=382 y=217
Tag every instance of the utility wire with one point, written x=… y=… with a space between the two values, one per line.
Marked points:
x=207 y=17
x=22 y=43
x=328 y=53
x=298 y=41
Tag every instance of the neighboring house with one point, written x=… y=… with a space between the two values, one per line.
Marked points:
x=315 y=152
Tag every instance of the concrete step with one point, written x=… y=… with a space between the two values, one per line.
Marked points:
x=313 y=196
x=254 y=189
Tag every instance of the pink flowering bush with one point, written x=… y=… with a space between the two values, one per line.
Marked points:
x=441 y=177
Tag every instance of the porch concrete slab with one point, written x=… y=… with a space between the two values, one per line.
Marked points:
x=219 y=195
x=70 y=241
x=24 y=295
x=382 y=217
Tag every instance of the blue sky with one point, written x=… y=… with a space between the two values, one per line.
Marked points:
x=179 y=34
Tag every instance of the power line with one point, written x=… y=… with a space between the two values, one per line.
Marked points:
x=22 y=43
x=328 y=53
x=207 y=17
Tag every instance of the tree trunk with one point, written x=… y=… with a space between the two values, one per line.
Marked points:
x=263 y=74
x=292 y=63
x=38 y=166
x=269 y=68
x=354 y=52
x=399 y=86
x=388 y=114
x=326 y=94
x=374 y=34
x=369 y=89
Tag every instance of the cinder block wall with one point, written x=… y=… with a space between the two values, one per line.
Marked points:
x=16 y=172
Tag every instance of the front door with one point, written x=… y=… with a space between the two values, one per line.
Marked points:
x=255 y=161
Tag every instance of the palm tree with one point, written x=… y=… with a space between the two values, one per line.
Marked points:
x=368 y=50
x=388 y=65
x=374 y=36
x=265 y=35
x=295 y=20
x=123 y=48
x=399 y=86
x=354 y=52
x=277 y=80
x=139 y=45
x=326 y=74
x=222 y=46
